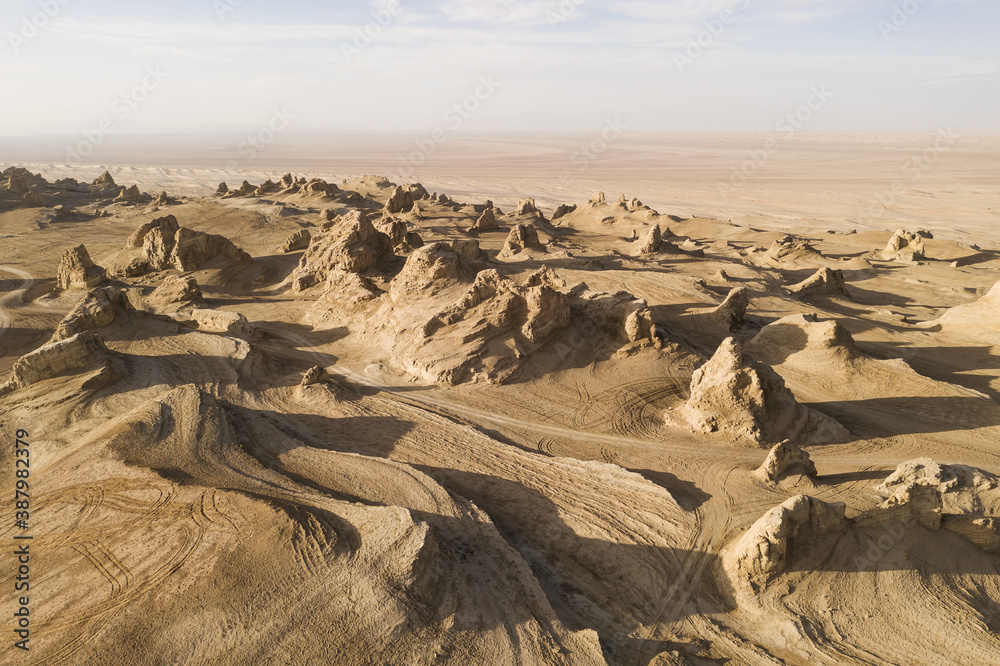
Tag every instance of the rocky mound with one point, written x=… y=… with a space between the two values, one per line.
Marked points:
x=105 y=181
x=825 y=282
x=761 y=554
x=802 y=333
x=617 y=317
x=436 y=267
x=903 y=247
x=486 y=222
x=163 y=244
x=99 y=308
x=403 y=240
x=484 y=335
x=748 y=402
x=78 y=271
x=523 y=237
x=785 y=458
x=176 y=293
x=84 y=351
x=350 y=243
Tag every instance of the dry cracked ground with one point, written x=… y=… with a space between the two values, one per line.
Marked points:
x=362 y=423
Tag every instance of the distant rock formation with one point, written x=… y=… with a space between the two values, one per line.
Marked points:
x=84 y=351
x=733 y=310
x=791 y=249
x=99 y=308
x=562 y=211
x=783 y=459
x=824 y=282
x=403 y=198
x=163 y=244
x=403 y=240
x=77 y=270
x=33 y=200
x=486 y=222
x=223 y=189
x=522 y=237
x=761 y=554
x=132 y=195
x=527 y=207
x=748 y=402
x=298 y=241
x=350 y=243
x=598 y=199
x=903 y=247
x=105 y=181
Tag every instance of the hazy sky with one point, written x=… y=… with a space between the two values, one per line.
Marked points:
x=207 y=65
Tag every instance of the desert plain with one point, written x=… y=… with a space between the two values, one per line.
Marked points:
x=688 y=399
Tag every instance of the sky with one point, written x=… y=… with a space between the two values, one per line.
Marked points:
x=72 y=66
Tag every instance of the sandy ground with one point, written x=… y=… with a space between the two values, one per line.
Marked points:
x=192 y=503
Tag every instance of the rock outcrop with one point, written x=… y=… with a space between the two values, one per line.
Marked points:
x=105 y=181
x=522 y=237
x=979 y=320
x=748 y=402
x=486 y=222
x=825 y=282
x=165 y=244
x=218 y=321
x=761 y=554
x=562 y=211
x=904 y=247
x=77 y=270
x=99 y=308
x=350 y=243
x=731 y=313
x=651 y=241
x=802 y=333
x=176 y=293
x=297 y=241
x=81 y=352
x=785 y=458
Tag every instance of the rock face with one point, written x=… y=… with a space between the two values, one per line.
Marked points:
x=404 y=197
x=99 y=308
x=84 y=351
x=401 y=237
x=78 y=271
x=436 y=267
x=522 y=237
x=732 y=311
x=297 y=241
x=824 y=282
x=785 y=458
x=749 y=403
x=762 y=552
x=33 y=200
x=617 y=316
x=903 y=246
x=486 y=222
x=165 y=244
x=176 y=293
x=350 y=243
x=651 y=241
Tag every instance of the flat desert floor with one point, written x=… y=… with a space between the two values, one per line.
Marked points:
x=516 y=400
